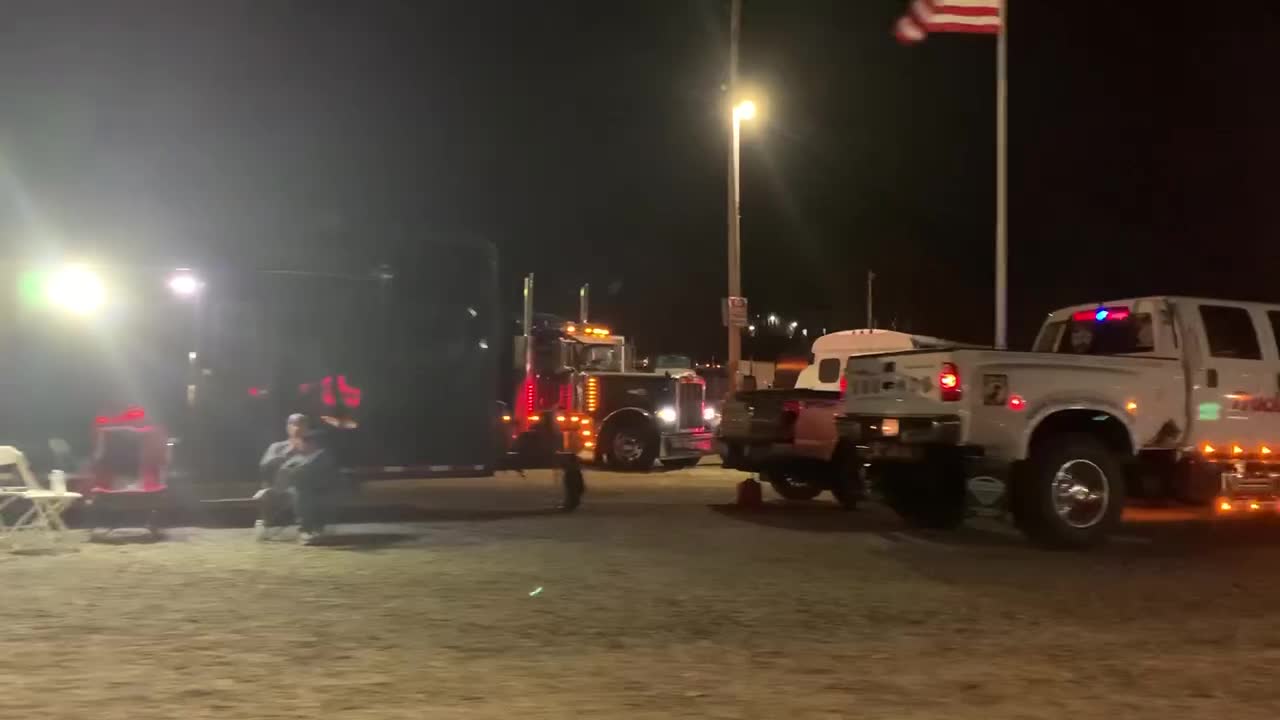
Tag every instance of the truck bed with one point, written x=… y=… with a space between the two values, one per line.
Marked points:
x=999 y=395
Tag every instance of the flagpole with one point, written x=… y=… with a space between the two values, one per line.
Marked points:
x=1002 y=181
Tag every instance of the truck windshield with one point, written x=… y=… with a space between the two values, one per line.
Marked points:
x=1130 y=336
x=601 y=358
x=663 y=362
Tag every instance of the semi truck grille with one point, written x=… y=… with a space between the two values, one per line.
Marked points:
x=689 y=405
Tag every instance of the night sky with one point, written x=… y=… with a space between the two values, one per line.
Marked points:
x=586 y=139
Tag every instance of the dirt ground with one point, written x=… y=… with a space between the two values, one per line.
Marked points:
x=653 y=601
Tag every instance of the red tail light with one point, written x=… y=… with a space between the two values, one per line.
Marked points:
x=528 y=396
x=844 y=385
x=949 y=382
x=132 y=414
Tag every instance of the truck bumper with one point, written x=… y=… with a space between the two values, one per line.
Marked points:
x=672 y=446
x=690 y=444
x=753 y=456
x=871 y=431
x=933 y=443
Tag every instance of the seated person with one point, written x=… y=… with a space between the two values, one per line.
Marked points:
x=275 y=497
x=311 y=476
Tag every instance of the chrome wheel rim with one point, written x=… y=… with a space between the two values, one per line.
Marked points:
x=1081 y=493
x=627 y=447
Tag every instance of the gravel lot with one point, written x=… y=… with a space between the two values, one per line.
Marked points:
x=655 y=600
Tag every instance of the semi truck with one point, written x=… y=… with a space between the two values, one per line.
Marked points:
x=579 y=376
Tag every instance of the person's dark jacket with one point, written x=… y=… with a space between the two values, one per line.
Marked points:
x=315 y=471
x=272 y=460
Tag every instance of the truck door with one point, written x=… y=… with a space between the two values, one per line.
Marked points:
x=1230 y=379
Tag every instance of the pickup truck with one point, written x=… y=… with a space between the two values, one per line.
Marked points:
x=788 y=436
x=1170 y=398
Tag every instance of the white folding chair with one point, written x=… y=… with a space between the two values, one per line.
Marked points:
x=44 y=516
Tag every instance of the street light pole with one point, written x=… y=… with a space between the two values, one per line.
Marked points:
x=734 y=218
x=871 y=317
x=188 y=287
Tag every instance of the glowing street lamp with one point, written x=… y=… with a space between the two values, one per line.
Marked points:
x=76 y=289
x=185 y=284
x=744 y=110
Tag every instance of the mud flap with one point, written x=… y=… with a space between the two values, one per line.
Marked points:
x=987 y=487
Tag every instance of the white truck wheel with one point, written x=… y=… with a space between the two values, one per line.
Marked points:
x=1072 y=494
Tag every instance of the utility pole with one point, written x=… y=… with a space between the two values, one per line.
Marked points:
x=1002 y=183
x=871 y=318
x=734 y=217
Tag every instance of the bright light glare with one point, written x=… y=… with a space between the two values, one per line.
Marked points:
x=667 y=415
x=745 y=110
x=185 y=284
x=76 y=289
x=708 y=414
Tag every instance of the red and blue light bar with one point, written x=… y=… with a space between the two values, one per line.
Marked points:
x=1102 y=314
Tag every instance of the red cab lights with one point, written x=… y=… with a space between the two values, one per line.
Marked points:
x=949 y=382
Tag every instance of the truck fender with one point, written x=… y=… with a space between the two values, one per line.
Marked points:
x=622 y=412
x=1042 y=414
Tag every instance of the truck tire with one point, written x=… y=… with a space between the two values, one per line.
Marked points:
x=631 y=445
x=790 y=487
x=924 y=496
x=848 y=479
x=1072 y=493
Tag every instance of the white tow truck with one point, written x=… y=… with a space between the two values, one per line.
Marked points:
x=1163 y=397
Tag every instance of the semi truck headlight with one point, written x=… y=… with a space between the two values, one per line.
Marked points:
x=708 y=414
x=667 y=415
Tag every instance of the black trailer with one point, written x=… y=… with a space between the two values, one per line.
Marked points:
x=397 y=360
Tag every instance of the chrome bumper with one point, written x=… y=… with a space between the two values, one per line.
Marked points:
x=686 y=444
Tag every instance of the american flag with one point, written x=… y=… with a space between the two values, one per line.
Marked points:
x=962 y=16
